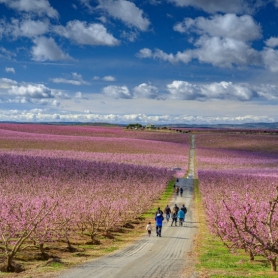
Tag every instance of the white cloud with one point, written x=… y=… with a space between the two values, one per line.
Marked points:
x=221 y=90
x=144 y=53
x=117 y=92
x=225 y=6
x=272 y=42
x=225 y=52
x=224 y=42
x=79 y=95
x=13 y=92
x=96 y=77
x=77 y=80
x=86 y=34
x=47 y=49
x=6 y=83
x=26 y=28
x=12 y=70
x=32 y=91
x=42 y=115
x=242 y=28
x=270 y=59
x=125 y=11
x=267 y=91
x=39 y=7
x=109 y=78
x=146 y=91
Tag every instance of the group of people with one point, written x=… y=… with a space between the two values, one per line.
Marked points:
x=178 y=190
x=177 y=214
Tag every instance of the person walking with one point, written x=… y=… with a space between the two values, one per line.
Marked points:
x=181 y=191
x=176 y=208
x=181 y=217
x=177 y=190
x=158 y=222
x=167 y=212
x=159 y=211
x=149 y=228
x=174 y=216
x=184 y=209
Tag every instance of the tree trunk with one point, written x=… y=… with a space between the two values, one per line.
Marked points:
x=9 y=267
x=251 y=256
x=273 y=264
x=41 y=248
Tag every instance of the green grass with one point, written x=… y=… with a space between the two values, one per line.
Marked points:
x=162 y=201
x=111 y=249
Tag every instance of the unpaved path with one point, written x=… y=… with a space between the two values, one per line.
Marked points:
x=151 y=257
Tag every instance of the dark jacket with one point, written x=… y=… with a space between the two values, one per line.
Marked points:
x=167 y=210
x=184 y=209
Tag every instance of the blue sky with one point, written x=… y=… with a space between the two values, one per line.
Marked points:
x=119 y=61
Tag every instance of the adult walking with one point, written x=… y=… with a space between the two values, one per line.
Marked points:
x=184 y=209
x=174 y=216
x=181 y=191
x=167 y=212
x=159 y=211
x=158 y=222
x=181 y=217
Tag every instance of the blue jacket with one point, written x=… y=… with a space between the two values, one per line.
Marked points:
x=159 y=218
x=180 y=214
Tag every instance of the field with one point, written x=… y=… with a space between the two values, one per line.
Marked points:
x=238 y=182
x=74 y=191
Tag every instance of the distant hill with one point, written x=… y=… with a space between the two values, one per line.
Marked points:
x=229 y=126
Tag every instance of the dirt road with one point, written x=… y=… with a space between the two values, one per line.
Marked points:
x=153 y=257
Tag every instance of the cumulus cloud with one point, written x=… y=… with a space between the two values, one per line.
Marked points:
x=225 y=6
x=86 y=34
x=224 y=42
x=47 y=49
x=26 y=28
x=272 y=42
x=12 y=70
x=125 y=11
x=225 y=52
x=270 y=59
x=6 y=83
x=109 y=78
x=77 y=80
x=146 y=91
x=38 y=7
x=222 y=90
x=242 y=28
x=14 y=92
x=32 y=91
x=117 y=92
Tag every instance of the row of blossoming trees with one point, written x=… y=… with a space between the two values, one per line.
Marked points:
x=51 y=199
x=239 y=188
x=60 y=182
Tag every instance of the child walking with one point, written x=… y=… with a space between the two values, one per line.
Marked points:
x=149 y=228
